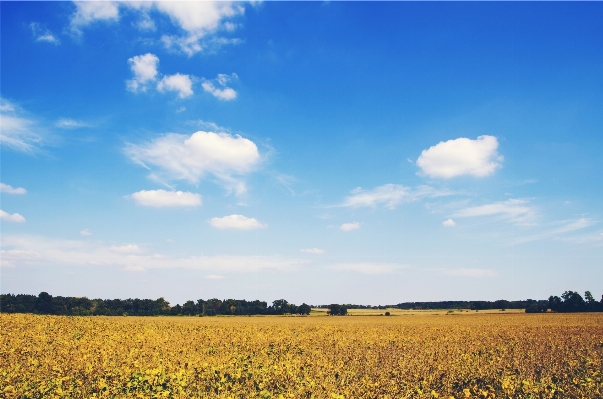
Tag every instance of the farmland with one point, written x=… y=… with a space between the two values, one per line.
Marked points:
x=407 y=355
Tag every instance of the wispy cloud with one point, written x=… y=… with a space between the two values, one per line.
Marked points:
x=560 y=229
x=516 y=210
x=35 y=250
x=461 y=156
x=463 y=272
x=67 y=123
x=390 y=195
x=42 y=34
x=314 y=251
x=17 y=131
x=369 y=267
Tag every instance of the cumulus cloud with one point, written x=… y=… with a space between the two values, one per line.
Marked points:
x=35 y=250
x=517 y=210
x=42 y=34
x=390 y=195
x=368 y=268
x=218 y=87
x=126 y=249
x=349 y=226
x=14 y=218
x=470 y=272
x=16 y=130
x=236 y=222
x=85 y=232
x=314 y=251
x=190 y=158
x=8 y=189
x=163 y=198
x=179 y=83
x=199 y=22
x=461 y=156
x=448 y=223
x=144 y=68
x=87 y=12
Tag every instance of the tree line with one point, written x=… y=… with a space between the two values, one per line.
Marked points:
x=571 y=301
x=473 y=305
x=45 y=303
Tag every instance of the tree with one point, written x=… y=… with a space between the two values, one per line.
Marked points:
x=44 y=303
x=573 y=302
x=304 y=309
x=337 y=310
x=189 y=308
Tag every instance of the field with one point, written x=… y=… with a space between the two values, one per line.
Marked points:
x=414 y=355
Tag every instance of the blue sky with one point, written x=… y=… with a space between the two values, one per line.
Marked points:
x=320 y=152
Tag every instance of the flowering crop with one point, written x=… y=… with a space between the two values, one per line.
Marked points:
x=464 y=356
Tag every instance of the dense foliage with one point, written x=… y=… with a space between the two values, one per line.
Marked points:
x=473 y=305
x=45 y=303
x=571 y=301
x=472 y=355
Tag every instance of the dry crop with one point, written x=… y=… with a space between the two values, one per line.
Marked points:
x=464 y=356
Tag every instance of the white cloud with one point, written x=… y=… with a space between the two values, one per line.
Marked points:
x=163 y=198
x=368 y=268
x=461 y=156
x=349 y=226
x=66 y=123
x=470 y=272
x=144 y=68
x=390 y=195
x=16 y=131
x=198 y=20
x=179 y=83
x=223 y=92
x=14 y=218
x=90 y=11
x=236 y=222
x=85 y=232
x=213 y=277
x=514 y=209
x=8 y=189
x=34 y=250
x=42 y=34
x=145 y=23
x=126 y=249
x=314 y=251
x=564 y=227
x=448 y=223
x=190 y=158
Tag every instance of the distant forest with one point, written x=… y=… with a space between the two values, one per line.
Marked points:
x=45 y=303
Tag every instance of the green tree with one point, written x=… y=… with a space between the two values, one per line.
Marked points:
x=304 y=309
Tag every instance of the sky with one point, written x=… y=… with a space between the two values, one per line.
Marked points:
x=320 y=152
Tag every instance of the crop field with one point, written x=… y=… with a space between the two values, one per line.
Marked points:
x=466 y=355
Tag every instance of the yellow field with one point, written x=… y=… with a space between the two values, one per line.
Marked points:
x=415 y=356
